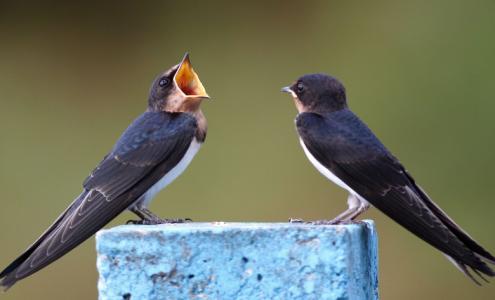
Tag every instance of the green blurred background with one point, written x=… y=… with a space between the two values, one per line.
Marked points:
x=72 y=77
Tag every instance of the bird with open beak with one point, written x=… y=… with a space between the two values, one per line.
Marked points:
x=155 y=149
x=347 y=152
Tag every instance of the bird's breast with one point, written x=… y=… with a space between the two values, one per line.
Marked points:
x=324 y=170
x=170 y=175
x=328 y=173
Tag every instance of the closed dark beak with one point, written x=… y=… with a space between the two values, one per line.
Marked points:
x=286 y=90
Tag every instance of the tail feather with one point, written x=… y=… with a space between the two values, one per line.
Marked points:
x=465 y=270
x=7 y=281
x=479 y=252
x=479 y=267
x=485 y=258
x=481 y=276
x=7 y=276
x=457 y=230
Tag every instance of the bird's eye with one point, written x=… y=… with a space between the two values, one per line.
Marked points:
x=164 y=82
x=300 y=87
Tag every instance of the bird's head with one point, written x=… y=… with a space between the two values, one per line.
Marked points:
x=177 y=90
x=317 y=93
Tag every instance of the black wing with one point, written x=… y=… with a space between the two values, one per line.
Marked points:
x=150 y=147
x=348 y=148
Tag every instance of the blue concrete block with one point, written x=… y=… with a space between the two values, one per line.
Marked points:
x=238 y=261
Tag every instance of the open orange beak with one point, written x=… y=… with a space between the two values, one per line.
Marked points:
x=188 y=81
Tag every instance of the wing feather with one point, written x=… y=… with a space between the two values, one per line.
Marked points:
x=150 y=147
x=348 y=148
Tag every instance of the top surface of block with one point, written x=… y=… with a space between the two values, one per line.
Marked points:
x=230 y=226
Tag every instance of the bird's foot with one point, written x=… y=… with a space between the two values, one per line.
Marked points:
x=333 y=222
x=133 y=222
x=174 y=221
x=157 y=221
x=322 y=222
x=296 y=221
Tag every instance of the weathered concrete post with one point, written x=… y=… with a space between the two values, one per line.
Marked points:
x=238 y=261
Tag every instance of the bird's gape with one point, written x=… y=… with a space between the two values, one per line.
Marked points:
x=188 y=81
x=189 y=89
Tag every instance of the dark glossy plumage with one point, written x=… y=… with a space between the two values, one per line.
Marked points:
x=320 y=92
x=150 y=147
x=341 y=142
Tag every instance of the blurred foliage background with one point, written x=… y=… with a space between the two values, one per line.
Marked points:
x=73 y=76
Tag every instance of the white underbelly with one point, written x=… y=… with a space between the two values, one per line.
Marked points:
x=326 y=172
x=146 y=198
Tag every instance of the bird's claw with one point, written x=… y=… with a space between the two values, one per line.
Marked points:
x=325 y=222
x=322 y=222
x=318 y=222
x=333 y=222
x=132 y=222
x=158 y=221
x=296 y=220
x=172 y=221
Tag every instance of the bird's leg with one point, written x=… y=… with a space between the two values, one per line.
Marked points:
x=353 y=207
x=149 y=218
x=363 y=206
x=140 y=214
x=142 y=220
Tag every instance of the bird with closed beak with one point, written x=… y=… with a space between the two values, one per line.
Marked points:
x=155 y=149
x=347 y=152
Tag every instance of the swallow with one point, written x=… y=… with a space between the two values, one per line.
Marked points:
x=346 y=151
x=155 y=149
